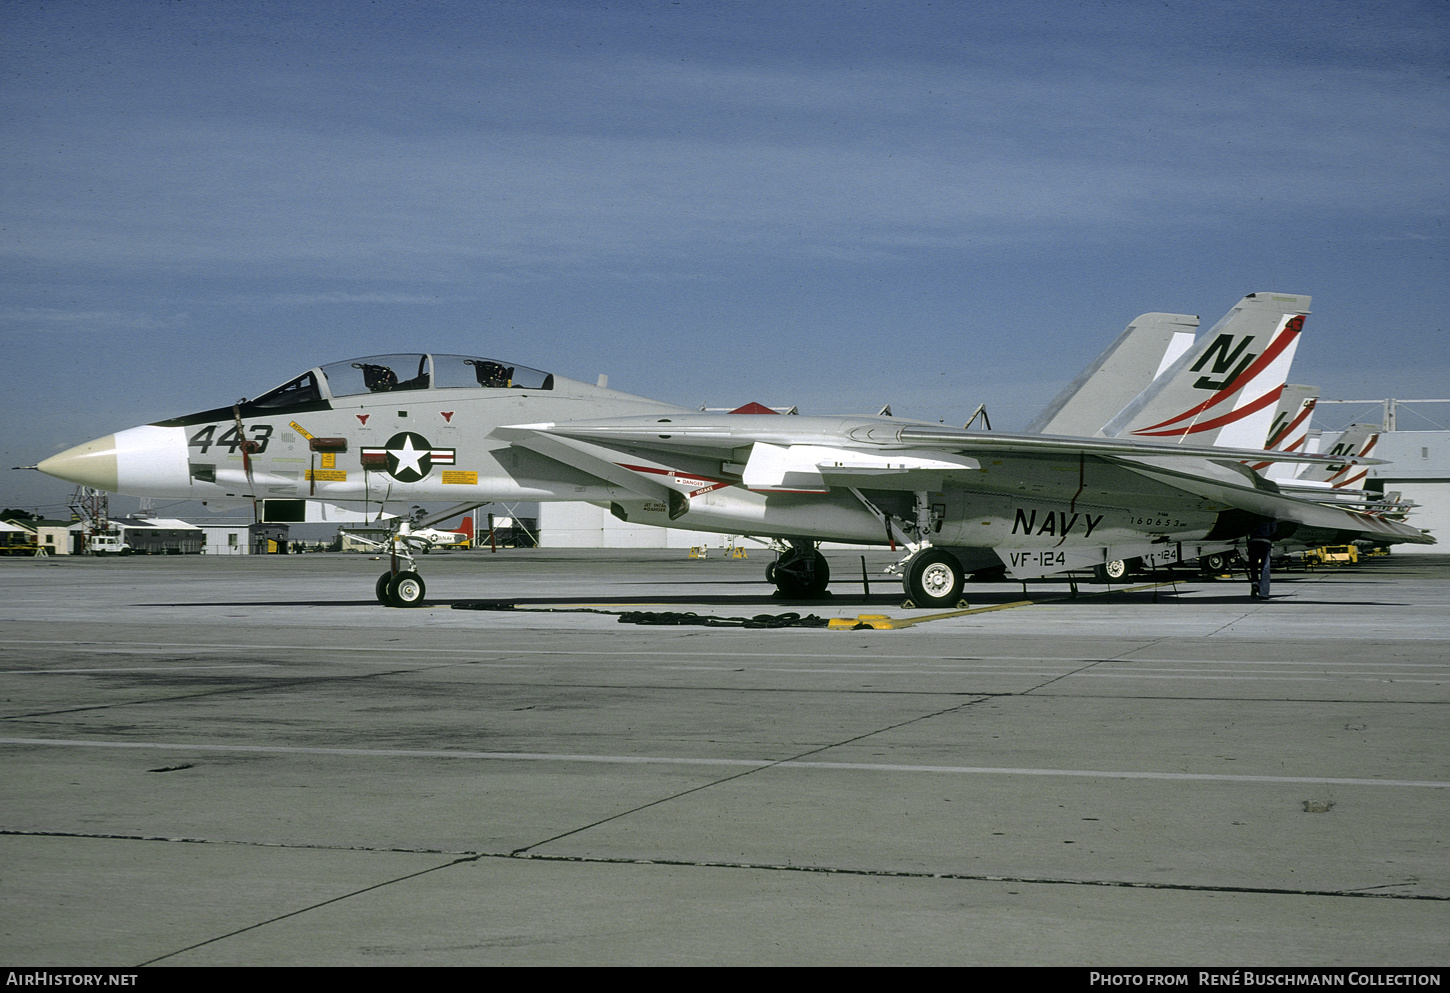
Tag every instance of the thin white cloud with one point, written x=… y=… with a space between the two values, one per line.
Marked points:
x=18 y=320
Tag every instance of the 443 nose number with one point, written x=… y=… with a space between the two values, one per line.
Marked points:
x=232 y=439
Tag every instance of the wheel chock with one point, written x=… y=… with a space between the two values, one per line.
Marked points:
x=876 y=622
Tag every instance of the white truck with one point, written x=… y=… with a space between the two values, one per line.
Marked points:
x=103 y=543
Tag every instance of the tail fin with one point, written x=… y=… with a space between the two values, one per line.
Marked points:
x=1358 y=440
x=1148 y=346
x=1289 y=430
x=1222 y=392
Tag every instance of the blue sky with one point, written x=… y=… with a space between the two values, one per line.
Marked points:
x=835 y=205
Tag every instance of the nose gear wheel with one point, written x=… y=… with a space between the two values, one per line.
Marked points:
x=406 y=589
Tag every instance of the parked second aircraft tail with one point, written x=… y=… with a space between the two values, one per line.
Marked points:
x=1149 y=345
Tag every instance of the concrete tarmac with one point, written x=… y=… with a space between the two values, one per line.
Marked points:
x=248 y=761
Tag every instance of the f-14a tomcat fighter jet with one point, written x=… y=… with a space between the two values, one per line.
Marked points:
x=1163 y=477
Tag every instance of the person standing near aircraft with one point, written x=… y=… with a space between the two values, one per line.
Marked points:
x=1261 y=544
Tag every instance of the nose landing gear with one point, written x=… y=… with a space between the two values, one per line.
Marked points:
x=399 y=586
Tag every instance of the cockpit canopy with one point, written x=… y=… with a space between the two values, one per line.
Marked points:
x=397 y=373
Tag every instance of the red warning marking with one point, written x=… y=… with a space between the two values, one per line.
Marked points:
x=1229 y=418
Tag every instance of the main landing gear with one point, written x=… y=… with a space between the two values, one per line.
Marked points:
x=1114 y=570
x=1219 y=563
x=801 y=572
x=933 y=577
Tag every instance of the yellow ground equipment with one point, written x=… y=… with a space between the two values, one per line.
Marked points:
x=1331 y=555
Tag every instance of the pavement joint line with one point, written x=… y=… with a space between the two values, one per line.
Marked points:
x=792 y=763
x=982 y=877
x=460 y=858
x=797 y=758
x=499 y=654
x=464 y=860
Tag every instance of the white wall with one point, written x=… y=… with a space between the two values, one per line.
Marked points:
x=1419 y=468
x=218 y=543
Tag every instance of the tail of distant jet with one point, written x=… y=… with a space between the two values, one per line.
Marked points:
x=1146 y=348
x=1222 y=391
x=1289 y=430
x=1356 y=440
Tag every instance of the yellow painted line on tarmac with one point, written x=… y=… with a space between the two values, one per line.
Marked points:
x=884 y=622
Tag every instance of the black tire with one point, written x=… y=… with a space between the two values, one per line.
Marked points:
x=770 y=573
x=381 y=588
x=822 y=580
x=793 y=587
x=1216 y=564
x=933 y=578
x=407 y=590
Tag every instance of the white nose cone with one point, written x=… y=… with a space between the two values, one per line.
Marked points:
x=142 y=461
